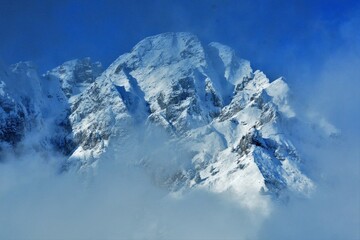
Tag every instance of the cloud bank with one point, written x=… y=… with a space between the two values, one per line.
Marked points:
x=120 y=201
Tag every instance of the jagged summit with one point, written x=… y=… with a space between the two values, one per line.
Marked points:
x=184 y=82
x=75 y=75
x=233 y=121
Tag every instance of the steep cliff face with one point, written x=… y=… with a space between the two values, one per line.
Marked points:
x=20 y=102
x=185 y=83
x=39 y=106
x=233 y=122
x=75 y=75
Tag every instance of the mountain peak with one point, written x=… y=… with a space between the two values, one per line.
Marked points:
x=163 y=49
x=234 y=122
x=168 y=40
x=75 y=75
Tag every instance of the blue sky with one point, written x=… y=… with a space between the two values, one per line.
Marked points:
x=276 y=36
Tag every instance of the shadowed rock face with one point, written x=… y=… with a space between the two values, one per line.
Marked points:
x=18 y=112
x=12 y=121
x=30 y=103
x=232 y=122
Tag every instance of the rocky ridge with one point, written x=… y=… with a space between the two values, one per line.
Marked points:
x=232 y=120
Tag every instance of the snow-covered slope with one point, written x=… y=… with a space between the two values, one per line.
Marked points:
x=75 y=75
x=20 y=100
x=38 y=107
x=233 y=122
x=185 y=83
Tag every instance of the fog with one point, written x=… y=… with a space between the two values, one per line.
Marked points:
x=332 y=93
x=117 y=201
x=120 y=200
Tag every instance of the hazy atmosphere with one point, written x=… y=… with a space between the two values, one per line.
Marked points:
x=124 y=194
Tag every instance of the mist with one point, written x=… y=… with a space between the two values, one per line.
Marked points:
x=332 y=93
x=120 y=199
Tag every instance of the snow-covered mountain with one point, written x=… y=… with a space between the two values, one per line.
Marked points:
x=233 y=122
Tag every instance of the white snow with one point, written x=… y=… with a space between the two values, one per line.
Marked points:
x=232 y=120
